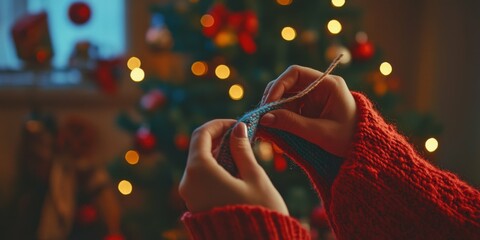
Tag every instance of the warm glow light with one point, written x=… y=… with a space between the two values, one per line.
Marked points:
x=133 y=63
x=33 y=126
x=137 y=75
x=265 y=151
x=199 y=68
x=431 y=144
x=207 y=20
x=125 y=187
x=338 y=3
x=132 y=157
x=284 y=2
x=222 y=71
x=334 y=26
x=236 y=92
x=288 y=33
x=225 y=38
x=385 y=68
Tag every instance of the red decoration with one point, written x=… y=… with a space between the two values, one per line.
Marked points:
x=79 y=13
x=244 y=25
x=145 y=139
x=87 y=214
x=77 y=137
x=114 y=237
x=182 y=141
x=279 y=162
x=153 y=100
x=362 y=51
x=318 y=218
x=32 y=39
x=107 y=73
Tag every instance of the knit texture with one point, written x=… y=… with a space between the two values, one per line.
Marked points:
x=243 y=222
x=382 y=190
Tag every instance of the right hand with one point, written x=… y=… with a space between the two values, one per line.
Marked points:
x=326 y=116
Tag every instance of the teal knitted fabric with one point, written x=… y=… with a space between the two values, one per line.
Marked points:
x=326 y=164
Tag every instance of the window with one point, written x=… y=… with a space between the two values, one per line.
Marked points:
x=105 y=30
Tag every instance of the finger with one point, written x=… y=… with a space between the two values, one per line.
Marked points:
x=316 y=131
x=294 y=79
x=203 y=138
x=242 y=153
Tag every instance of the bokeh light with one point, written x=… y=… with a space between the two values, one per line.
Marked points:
x=334 y=26
x=207 y=20
x=284 y=2
x=137 y=75
x=133 y=63
x=222 y=71
x=338 y=3
x=199 y=68
x=236 y=92
x=288 y=33
x=385 y=68
x=132 y=157
x=431 y=144
x=125 y=187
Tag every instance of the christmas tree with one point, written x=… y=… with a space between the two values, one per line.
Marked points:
x=233 y=49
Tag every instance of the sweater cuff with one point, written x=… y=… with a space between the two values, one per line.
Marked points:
x=243 y=222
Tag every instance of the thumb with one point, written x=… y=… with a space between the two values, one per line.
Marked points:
x=242 y=153
x=310 y=129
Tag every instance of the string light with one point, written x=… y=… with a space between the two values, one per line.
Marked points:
x=338 y=3
x=207 y=20
x=133 y=63
x=334 y=26
x=199 y=68
x=284 y=2
x=137 y=75
x=222 y=71
x=132 y=157
x=288 y=33
x=431 y=144
x=385 y=68
x=236 y=92
x=125 y=187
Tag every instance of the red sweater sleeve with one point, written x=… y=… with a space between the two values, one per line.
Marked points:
x=243 y=222
x=385 y=190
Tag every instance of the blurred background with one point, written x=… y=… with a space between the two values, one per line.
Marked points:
x=98 y=98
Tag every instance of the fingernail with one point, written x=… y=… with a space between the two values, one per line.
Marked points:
x=267 y=119
x=240 y=130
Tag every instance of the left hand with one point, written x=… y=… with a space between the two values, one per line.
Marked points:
x=206 y=184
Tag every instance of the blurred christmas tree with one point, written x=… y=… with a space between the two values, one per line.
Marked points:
x=233 y=49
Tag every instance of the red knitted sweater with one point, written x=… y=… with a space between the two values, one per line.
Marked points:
x=384 y=190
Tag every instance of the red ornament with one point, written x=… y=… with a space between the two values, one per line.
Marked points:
x=362 y=51
x=243 y=24
x=182 y=141
x=153 y=100
x=279 y=162
x=318 y=218
x=87 y=214
x=145 y=139
x=79 y=13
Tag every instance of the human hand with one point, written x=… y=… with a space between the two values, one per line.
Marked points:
x=326 y=116
x=206 y=184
